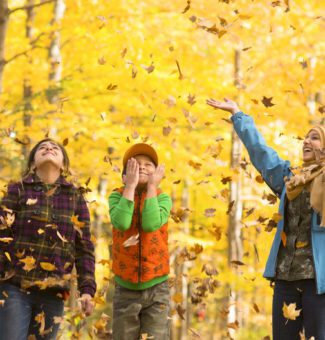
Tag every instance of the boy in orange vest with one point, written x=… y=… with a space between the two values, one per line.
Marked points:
x=139 y=213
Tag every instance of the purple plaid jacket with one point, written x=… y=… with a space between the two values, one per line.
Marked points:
x=44 y=232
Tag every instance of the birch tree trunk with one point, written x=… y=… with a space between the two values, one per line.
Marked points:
x=55 y=57
x=235 y=247
x=4 y=17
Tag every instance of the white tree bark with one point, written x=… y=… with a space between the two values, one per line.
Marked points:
x=55 y=57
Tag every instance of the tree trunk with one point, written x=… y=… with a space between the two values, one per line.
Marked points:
x=28 y=90
x=235 y=247
x=181 y=286
x=4 y=17
x=55 y=57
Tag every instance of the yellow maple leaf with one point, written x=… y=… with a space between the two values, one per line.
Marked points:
x=277 y=217
x=290 y=312
x=76 y=222
x=29 y=262
x=47 y=266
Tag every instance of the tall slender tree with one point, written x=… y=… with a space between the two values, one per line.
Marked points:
x=4 y=17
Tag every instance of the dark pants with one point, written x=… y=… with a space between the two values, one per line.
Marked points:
x=18 y=312
x=312 y=316
x=137 y=312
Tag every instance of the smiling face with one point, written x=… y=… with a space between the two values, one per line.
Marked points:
x=48 y=152
x=146 y=168
x=311 y=143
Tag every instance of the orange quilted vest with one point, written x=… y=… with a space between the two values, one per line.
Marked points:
x=147 y=259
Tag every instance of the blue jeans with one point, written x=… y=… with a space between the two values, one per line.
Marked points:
x=312 y=315
x=17 y=315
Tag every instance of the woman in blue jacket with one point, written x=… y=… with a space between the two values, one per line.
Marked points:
x=298 y=266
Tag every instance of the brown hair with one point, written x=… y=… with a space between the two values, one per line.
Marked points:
x=31 y=157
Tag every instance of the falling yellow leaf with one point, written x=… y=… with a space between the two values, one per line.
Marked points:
x=51 y=191
x=290 y=312
x=233 y=325
x=48 y=266
x=178 y=298
x=62 y=238
x=301 y=244
x=8 y=256
x=195 y=165
x=277 y=217
x=259 y=179
x=10 y=219
x=76 y=222
x=40 y=318
x=31 y=201
x=29 y=262
x=6 y=239
x=131 y=241
x=99 y=300
x=284 y=238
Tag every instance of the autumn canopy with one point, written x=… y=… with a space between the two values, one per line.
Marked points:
x=100 y=75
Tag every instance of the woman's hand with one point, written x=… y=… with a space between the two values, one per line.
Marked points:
x=156 y=177
x=131 y=178
x=227 y=105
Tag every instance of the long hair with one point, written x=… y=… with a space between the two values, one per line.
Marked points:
x=31 y=157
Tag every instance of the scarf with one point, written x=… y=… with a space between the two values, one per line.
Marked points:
x=312 y=177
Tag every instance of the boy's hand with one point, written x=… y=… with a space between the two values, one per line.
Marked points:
x=156 y=177
x=227 y=105
x=131 y=178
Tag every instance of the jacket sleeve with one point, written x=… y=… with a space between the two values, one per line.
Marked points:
x=8 y=210
x=156 y=212
x=272 y=168
x=120 y=211
x=85 y=258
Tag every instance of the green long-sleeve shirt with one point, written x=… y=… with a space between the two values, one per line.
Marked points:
x=155 y=214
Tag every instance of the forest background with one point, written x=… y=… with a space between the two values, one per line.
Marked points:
x=99 y=76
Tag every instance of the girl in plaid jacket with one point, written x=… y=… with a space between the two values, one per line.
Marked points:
x=44 y=233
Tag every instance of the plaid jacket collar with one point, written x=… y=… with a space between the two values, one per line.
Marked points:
x=33 y=178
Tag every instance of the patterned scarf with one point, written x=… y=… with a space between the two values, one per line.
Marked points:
x=312 y=177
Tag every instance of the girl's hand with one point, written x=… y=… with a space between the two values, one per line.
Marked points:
x=131 y=178
x=227 y=105
x=87 y=304
x=156 y=177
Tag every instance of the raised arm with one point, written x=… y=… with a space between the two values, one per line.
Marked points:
x=266 y=160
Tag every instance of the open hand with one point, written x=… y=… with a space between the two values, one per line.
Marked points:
x=156 y=177
x=227 y=105
x=131 y=178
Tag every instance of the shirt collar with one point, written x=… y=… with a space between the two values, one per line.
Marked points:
x=33 y=178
